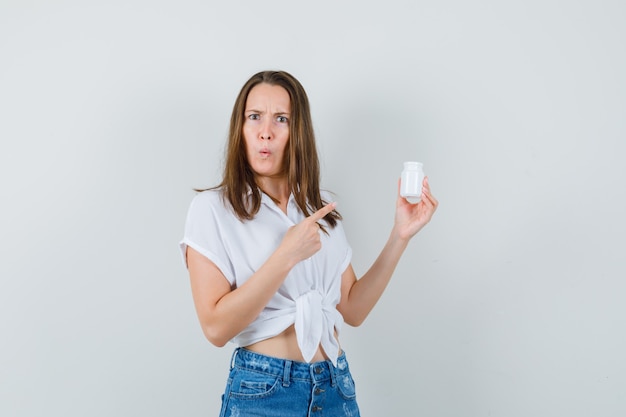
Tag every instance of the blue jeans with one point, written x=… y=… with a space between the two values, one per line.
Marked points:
x=264 y=386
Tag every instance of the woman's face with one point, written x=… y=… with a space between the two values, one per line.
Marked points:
x=266 y=129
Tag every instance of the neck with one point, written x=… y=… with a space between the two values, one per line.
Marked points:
x=277 y=188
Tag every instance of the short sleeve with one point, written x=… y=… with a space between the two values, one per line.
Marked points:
x=204 y=232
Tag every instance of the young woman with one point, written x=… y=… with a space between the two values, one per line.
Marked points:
x=270 y=264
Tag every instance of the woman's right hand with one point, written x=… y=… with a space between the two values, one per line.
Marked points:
x=303 y=240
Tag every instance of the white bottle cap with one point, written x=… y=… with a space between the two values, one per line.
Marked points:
x=413 y=165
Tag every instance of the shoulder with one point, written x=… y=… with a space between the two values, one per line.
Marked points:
x=208 y=198
x=208 y=201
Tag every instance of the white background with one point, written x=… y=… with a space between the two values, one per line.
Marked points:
x=509 y=303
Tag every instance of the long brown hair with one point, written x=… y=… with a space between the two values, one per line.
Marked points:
x=300 y=161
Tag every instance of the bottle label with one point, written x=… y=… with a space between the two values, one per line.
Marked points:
x=411 y=182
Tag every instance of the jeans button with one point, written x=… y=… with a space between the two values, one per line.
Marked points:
x=318 y=370
x=316 y=408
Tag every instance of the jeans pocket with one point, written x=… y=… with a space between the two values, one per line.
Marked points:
x=346 y=387
x=253 y=385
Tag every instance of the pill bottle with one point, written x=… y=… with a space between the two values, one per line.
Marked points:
x=411 y=182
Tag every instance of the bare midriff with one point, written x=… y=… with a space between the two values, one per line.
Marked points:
x=285 y=346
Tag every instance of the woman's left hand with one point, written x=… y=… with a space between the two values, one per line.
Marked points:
x=410 y=218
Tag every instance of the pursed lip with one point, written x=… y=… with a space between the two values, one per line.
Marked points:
x=265 y=152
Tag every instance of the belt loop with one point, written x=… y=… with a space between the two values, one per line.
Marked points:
x=286 y=373
x=333 y=375
x=232 y=358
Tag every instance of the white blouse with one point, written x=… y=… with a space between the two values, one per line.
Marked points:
x=311 y=291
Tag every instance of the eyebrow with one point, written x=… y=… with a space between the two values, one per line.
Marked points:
x=278 y=113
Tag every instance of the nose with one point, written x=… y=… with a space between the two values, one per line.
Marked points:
x=265 y=132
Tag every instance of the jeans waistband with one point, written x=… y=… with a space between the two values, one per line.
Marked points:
x=287 y=369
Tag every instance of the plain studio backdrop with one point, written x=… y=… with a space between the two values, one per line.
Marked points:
x=509 y=303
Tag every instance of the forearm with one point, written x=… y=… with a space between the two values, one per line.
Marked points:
x=366 y=291
x=236 y=309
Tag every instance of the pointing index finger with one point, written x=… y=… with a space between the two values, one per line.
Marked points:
x=321 y=213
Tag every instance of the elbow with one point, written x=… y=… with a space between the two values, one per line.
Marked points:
x=217 y=342
x=215 y=337
x=354 y=321
x=350 y=317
